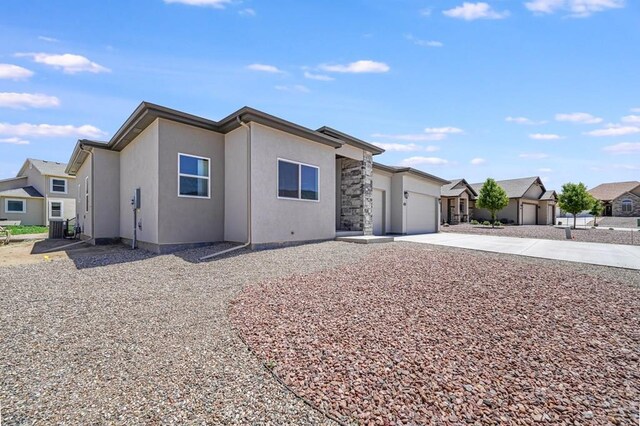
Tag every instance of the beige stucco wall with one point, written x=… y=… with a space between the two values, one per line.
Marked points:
x=84 y=215
x=184 y=220
x=398 y=215
x=510 y=212
x=13 y=183
x=279 y=220
x=34 y=211
x=106 y=186
x=382 y=181
x=350 y=152
x=533 y=193
x=139 y=169
x=235 y=177
x=35 y=179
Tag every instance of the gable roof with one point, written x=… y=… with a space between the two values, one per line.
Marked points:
x=24 y=192
x=45 y=168
x=611 y=191
x=456 y=187
x=416 y=172
x=549 y=195
x=515 y=188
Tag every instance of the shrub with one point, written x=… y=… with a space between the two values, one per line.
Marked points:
x=474 y=222
x=486 y=223
x=504 y=221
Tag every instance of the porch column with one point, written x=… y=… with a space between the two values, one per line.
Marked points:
x=356 y=187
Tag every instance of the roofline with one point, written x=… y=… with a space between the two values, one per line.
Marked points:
x=350 y=140
x=13 y=178
x=394 y=169
x=78 y=152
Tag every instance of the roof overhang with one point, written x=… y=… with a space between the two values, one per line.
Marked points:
x=80 y=154
x=410 y=170
x=350 y=140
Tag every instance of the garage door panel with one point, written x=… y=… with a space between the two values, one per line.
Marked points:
x=421 y=214
x=529 y=214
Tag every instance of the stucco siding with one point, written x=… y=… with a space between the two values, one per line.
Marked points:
x=183 y=220
x=350 y=152
x=397 y=205
x=139 y=169
x=83 y=177
x=14 y=183
x=510 y=213
x=533 y=193
x=276 y=220
x=106 y=186
x=235 y=177
x=382 y=181
x=33 y=215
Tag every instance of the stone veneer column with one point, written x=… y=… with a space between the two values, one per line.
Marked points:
x=356 y=210
x=367 y=194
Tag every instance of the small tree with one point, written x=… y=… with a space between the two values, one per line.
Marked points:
x=574 y=199
x=493 y=198
x=596 y=210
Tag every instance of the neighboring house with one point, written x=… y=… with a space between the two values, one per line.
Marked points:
x=619 y=198
x=250 y=178
x=40 y=192
x=457 y=197
x=530 y=203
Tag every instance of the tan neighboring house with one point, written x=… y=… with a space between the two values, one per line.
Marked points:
x=41 y=191
x=173 y=180
x=621 y=199
x=530 y=203
x=457 y=197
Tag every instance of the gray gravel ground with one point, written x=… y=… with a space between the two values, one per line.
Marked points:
x=418 y=334
x=551 y=233
x=132 y=338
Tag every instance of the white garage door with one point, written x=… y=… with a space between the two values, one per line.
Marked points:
x=421 y=214
x=378 y=212
x=529 y=214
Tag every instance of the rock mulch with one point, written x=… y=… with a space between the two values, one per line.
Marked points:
x=128 y=337
x=551 y=233
x=419 y=335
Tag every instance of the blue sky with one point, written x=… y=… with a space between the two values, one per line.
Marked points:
x=501 y=88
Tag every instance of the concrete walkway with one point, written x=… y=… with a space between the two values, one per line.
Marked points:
x=617 y=255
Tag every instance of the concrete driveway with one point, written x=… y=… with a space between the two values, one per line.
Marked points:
x=617 y=255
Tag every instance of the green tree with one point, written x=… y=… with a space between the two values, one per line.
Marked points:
x=574 y=199
x=596 y=210
x=493 y=198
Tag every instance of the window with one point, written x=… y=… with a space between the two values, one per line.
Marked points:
x=55 y=209
x=15 y=206
x=627 y=206
x=297 y=181
x=193 y=176
x=86 y=194
x=58 y=185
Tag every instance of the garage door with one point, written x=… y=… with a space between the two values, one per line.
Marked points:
x=421 y=214
x=529 y=214
x=378 y=212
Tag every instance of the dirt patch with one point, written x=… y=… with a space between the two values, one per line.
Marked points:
x=410 y=336
x=42 y=250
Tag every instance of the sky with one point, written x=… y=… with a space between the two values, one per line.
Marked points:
x=502 y=88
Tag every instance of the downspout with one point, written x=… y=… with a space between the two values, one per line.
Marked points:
x=248 y=243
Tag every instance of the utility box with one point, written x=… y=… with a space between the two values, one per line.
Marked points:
x=135 y=201
x=56 y=229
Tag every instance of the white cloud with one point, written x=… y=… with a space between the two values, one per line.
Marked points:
x=545 y=170
x=614 y=130
x=401 y=147
x=27 y=100
x=423 y=43
x=634 y=119
x=14 y=141
x=14 y=72
x=534 y=155
x=544 y=136
x=67 y=62
x=218 y=4
x=50 y=130
x=320 y=77
x=473 y=11
x=443 y=130
x=522 y=120
x=357 y=67
x=478 y=161
x=579 y=117
x=421 y=161
x=265 y=68
x=48 y=39
x=575 y=8
x=296 y=88
x=623 y=148
x=248 y=12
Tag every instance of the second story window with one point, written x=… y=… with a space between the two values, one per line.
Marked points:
x=58 y=185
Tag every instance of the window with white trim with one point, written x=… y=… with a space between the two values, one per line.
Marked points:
x=193 y=176
x=298 y=181
x=58 y=185
x=55 y=209
x=627 y=206
x=86 y=194
x=15 y=206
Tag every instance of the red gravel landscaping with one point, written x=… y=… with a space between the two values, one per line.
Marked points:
x=413 y=335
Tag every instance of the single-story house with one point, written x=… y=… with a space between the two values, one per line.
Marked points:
x=457 y=197
x=619 y=198
x=530 y=203
x=172 y=180
x=41 y=191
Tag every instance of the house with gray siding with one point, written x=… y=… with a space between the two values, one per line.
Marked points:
x=40 y=192
x=172 y=180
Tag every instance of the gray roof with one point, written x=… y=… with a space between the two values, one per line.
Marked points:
x=456 y=187
x=24 y=192
x=549 y=195
x=416 y=172
x=515 y=188
x=611 y=191
x=50 y=168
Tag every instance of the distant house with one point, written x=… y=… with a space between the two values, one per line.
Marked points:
x=620 y=199
x=173 y=180
x=457 y=197
x=530 y=203
x=41 y=191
